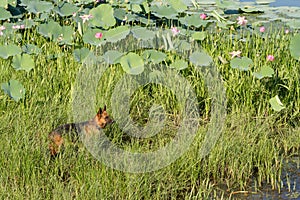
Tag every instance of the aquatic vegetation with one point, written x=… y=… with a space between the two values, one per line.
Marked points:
x=276 y=103
x=255 y=49
x=14 y=89
x=295 y=47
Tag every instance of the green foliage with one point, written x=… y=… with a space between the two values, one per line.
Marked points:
x=200 y=59
x=112 y=56
x=4 y=14
x=81 y=54
x=179 y=6
x=9 y=50
x=295 y=47
x=38 y=6
x=293 y=23
x=132 y=63
x=31 y=49
x=276 y=103
x=199 y=35
x=259 y=131
x=117 y=34
x=179 y=64
x=142 y=33
x=182 y=45
x=251 y=9
x=265 y=71
x=14 y=89
x=60 y=34
x=103 y=16
x=65 y=9
x=164 y=11
x=84 y=2
x=120 y=14
x=242 y=63
x=228 y=4
x=194 y=20
x=136 y=8
x=89 y=37
x=23 y=62
x=3 y=4
x=154 y=56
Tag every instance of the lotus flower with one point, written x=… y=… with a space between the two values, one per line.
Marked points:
x=235 y=54
x=242 y=20
x=262 y=29
x=270 y=58
x=98 y=35
x=86 y=17
x=203 y=16
x=175 y=31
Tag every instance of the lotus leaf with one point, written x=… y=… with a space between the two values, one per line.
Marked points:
x=276 y=104
x=23 y=62
x=132 y=63
x=242 y=64
x=103 y=16
x=14 y=89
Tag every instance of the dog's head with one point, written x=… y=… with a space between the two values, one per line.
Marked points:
x=103 y=118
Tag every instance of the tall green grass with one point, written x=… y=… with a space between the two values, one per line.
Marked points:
x=251 y=148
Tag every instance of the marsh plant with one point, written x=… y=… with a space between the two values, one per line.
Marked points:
x=218 y=90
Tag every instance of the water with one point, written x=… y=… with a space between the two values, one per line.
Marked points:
x=290 y=185
x=278 y=3
x=286 y=3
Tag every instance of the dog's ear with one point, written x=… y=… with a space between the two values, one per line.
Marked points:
x=104 y=108
x=99 y=112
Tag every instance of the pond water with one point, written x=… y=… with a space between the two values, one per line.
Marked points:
x=278 y=3
x=290 y=185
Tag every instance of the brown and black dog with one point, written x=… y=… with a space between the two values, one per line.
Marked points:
x=88 y=127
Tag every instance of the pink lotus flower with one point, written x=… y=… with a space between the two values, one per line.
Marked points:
x=262 y=29
x=16 y=27
x=203 y=16
x=86 y=17
x=99 y=35
x=270 y=58
x=22 y=26
x=235 y=54
x=1 y=29
x=175 y=31
x=242 y=21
